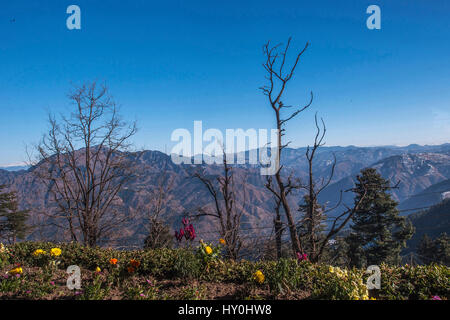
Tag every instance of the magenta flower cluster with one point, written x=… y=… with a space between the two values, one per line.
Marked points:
x=302 y=257
x=187 y=231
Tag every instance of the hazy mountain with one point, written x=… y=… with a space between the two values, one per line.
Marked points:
x=416 y=167
x=14 y=168
x=428 y=197
x=413 y=172
x=432 y=222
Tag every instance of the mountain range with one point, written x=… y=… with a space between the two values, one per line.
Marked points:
x=423 y=174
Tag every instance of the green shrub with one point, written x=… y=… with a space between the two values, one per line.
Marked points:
x=420 y=282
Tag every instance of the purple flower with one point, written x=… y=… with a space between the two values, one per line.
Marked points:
x=187 y=231
x=302 y=257
x=179 y=235
x=142 y=295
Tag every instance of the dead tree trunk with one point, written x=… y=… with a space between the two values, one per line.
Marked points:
x=277 y=81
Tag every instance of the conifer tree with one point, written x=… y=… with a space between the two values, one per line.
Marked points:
x=378 y=233
x=426 y=249
x=13 y=222
x=434 y=251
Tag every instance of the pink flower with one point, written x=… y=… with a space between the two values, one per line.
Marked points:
x=302 y=257
x=179 y=235
x=436 y=298
x=187 y=231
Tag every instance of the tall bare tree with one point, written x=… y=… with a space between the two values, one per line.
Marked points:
x=278 y=77
x=84 y=162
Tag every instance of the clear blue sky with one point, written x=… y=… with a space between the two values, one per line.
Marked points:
x=169 y=63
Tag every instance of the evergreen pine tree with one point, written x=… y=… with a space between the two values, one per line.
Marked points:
x=426 y=250
x=443 y=249
x=434 y=251
x=378 y=233
x=13 y=222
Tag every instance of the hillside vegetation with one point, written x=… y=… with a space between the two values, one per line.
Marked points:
x=432 y=222
x=36 y=270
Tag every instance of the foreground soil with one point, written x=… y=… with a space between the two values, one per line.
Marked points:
x=33 y=286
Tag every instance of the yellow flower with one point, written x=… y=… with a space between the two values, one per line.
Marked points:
x=98 y=269
x=17 y=270
x=2 y=248
x=258 y=276
x=331 y=269
x=55 y=252
x=222 y=241
x=39 y=252
x=372 y=298
x=208 y=250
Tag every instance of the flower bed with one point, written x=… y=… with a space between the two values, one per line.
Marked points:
x=36 y=270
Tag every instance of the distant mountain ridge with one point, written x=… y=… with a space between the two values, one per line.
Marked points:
x=14 y=168
x=428 y=197
x=432 y=222
x=416 y=167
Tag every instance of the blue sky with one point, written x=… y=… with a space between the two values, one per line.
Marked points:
x=169 y=63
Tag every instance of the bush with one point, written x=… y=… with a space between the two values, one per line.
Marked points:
x=420 y=282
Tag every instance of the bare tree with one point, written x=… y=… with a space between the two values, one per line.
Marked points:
x=314 y=213
x=278 y=79
x=159 y=234
x=312 y=222
x=278 y=227
x=226 y=209
x=84 y=162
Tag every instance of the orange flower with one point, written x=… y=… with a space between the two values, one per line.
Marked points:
x=113 y=261
x=222 y=241
x=130 y=269
x=135 y=263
